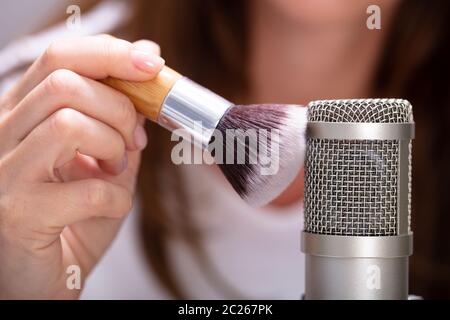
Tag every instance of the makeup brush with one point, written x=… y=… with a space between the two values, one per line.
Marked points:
x=175 y=102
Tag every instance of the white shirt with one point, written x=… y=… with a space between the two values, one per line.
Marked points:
x=254 y=251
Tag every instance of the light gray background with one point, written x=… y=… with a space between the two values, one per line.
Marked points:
x=19 y=17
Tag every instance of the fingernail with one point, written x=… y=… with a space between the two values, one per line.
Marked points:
x=147 y=62
x=140 y=137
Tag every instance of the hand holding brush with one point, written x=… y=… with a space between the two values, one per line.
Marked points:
x=175 y=102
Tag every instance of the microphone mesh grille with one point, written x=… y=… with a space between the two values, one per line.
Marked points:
x=359 y=110
x=351 y=185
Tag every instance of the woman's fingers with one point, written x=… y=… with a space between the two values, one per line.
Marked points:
x=94 y=57
x=61 y=204
x=58 y=140
x=64 y=88
x=81 y=167
x=86 y=167
x=148 y=46
x=143 y=44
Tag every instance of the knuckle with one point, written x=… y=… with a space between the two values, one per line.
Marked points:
x=126 y=203
x=64 y=122
x=5 y=176
x=120 y=147
x=51 y=54
x=97 y=194
x=117 y=148
x=10 y=214
x=108 y=48
x=62 y=82
x=5 y=101
x=114 y=49
x=5 y=206
x=126 y=112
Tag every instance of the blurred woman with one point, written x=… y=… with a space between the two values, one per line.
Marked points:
x=65 y=184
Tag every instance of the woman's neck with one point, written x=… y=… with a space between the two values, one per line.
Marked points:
x=294 y=63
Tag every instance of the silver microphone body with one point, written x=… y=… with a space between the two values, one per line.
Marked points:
x=357 y=236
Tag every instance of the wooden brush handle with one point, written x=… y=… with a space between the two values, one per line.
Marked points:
x=147 y=96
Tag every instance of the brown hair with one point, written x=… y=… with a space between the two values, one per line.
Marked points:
x=206 y=40
x=415 y=66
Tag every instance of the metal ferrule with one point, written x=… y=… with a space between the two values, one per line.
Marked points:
x=357 y=246
x=192 y=112
x=360 y=131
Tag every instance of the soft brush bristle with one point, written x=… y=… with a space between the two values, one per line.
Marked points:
x=247 y=179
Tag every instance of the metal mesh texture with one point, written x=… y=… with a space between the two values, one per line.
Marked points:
x=351 y=185
x=368 y=110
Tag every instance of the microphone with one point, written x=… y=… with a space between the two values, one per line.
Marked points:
x=357 y=236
